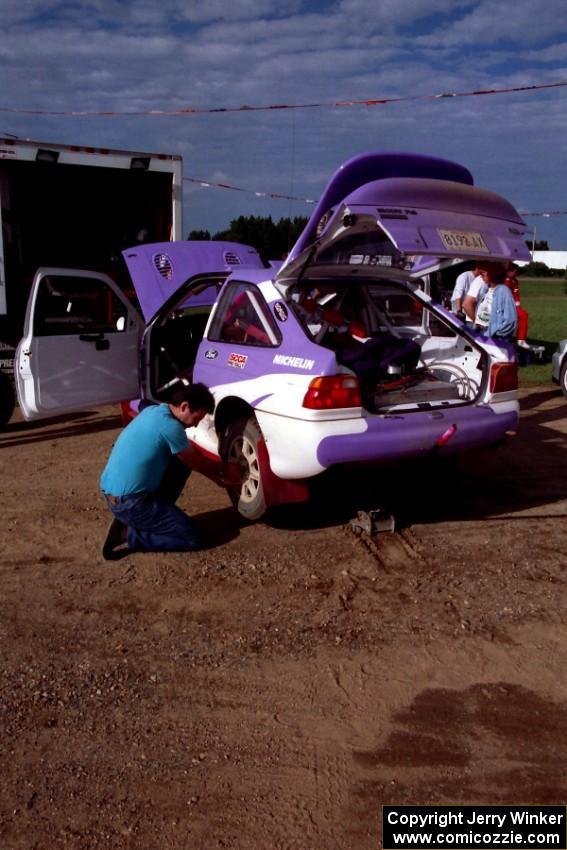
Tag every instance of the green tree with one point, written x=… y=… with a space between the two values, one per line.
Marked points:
x=538 y=245
x=536 y=270
x=272 y=240
x=199 y=235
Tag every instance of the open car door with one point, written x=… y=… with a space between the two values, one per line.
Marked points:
x=80 y=344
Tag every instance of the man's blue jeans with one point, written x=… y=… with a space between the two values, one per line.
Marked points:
x=154 y=522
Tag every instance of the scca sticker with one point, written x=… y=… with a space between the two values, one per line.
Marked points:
x=238 y=361
x=211 y=354
x=281 y=311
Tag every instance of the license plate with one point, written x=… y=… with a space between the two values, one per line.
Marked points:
x=463 y=240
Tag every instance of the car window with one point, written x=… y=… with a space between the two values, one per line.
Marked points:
x=243 y=317
x=69 y=305
x=401 y=308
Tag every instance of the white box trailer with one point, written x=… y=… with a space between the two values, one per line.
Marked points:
x=77 y=207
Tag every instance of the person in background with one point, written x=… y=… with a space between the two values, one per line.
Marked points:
x=513 y=285
x=147 y=470
x=476 y=292
x=462 y=286
x=496 y=313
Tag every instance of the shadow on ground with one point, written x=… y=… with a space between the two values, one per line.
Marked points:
x=464 y=742
x=529 y=471
x=57 y=427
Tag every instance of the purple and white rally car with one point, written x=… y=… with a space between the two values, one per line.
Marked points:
x=338 y=355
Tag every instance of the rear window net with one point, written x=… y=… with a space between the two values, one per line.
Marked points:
x=232 y=259
x=163 y=266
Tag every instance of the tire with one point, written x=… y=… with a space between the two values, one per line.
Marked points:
x=241 y=446
x=563 y=377
x=7 y=399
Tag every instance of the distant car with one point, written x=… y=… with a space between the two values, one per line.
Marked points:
x=337 y=356
x=559 y=366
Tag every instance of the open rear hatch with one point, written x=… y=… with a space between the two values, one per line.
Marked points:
x=356 y=261
x=396 y=221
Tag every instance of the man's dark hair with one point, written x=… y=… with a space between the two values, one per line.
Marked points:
x=197 y=396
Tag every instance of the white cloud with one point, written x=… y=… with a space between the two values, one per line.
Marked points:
x=210 y=10
x=110 y=54
x=501 y=22
x=393 y=13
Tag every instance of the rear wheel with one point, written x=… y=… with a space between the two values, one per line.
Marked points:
x=563 y=377
x=7 y=399
x=241 y=446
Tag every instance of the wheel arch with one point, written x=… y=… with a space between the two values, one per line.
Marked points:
x=229 y=410
x=276 y=491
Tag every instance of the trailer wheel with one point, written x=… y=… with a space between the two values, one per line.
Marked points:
x=240 y=446
x=7 y=399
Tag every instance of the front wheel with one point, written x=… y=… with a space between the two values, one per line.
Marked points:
x=241 y=443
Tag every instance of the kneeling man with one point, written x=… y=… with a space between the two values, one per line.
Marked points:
x=147 y=470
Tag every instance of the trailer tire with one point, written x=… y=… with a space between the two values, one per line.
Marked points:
x=240 y=445
x=7 y=399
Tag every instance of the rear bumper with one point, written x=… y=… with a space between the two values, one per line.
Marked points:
x=301 y=449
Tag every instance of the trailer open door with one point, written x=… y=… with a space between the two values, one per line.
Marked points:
x=80 y=345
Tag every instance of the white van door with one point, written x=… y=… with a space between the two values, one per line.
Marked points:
x=80 y=344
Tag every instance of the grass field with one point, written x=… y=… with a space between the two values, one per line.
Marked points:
x=545 y=299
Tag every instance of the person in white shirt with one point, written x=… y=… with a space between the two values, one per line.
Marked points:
x=477 y=291
x=484 y=310
x=462 y=288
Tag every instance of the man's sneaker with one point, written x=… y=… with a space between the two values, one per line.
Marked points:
x=523 y=344
x=115 y=536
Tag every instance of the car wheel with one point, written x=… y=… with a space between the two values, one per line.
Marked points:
x=241 y=447
x=563 y=377
x=7 y=399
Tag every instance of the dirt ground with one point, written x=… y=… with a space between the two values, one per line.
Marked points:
x=274 y=690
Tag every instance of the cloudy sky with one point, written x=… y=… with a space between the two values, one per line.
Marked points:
x=115 y=55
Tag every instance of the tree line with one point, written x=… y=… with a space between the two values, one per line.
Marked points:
x=272 y=239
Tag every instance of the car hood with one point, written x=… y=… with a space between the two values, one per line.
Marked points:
x=159 y=269
x=427 y=209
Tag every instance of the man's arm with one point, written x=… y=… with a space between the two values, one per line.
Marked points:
x=222 y=473
x=457 y=296
x=469 y=306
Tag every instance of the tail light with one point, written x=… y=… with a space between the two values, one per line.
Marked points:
x=503 y=377
x=326 y=393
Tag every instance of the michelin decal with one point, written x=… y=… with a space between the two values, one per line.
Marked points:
x=294 y=362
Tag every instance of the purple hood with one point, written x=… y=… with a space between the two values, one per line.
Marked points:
x=159 y=269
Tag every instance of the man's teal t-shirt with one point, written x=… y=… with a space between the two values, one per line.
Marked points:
x=142 y=452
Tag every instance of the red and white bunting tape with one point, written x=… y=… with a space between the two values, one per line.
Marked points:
x=152 y=113
x=208 y=184
x=545 y=214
